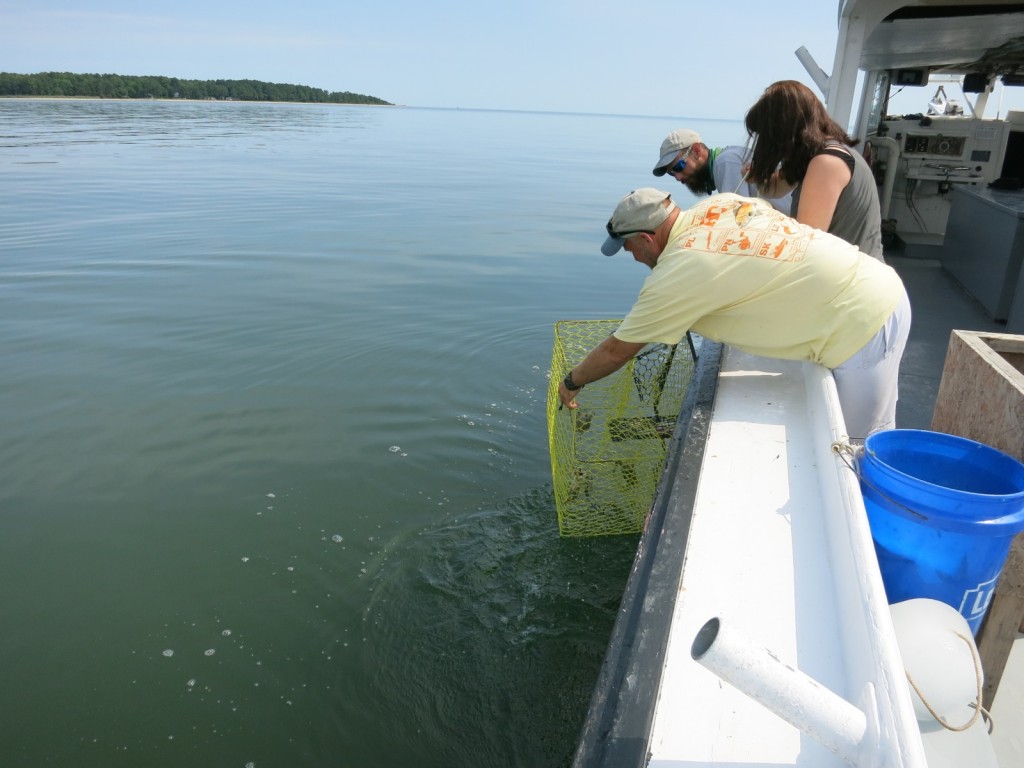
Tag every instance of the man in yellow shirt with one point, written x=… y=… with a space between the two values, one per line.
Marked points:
x=735 y=270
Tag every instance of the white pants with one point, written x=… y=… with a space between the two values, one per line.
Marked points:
x=868 y=382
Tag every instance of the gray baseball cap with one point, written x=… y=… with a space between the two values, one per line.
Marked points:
x=642 y=210
x=674 y=143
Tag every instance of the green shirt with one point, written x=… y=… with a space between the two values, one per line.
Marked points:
x=737 y=271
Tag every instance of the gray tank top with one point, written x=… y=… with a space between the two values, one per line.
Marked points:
x=858 y=215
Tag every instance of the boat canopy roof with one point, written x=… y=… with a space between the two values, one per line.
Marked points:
x=944 y=37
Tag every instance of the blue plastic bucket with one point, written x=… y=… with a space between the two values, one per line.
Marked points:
x=943 y=512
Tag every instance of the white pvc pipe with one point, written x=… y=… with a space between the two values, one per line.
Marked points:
x=792 y=695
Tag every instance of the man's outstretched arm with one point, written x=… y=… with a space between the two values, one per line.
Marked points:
x=607 y=357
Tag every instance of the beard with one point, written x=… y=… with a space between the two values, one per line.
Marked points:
x=702 y=182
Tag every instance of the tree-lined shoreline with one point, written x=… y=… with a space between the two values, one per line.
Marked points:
x=68 y=84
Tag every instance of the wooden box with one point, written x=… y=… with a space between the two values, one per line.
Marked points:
x=981 y=394
x=981 y=397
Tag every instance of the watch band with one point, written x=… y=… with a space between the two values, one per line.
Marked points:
x=571 y=385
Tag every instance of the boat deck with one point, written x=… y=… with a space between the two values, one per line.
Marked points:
x=815 y=604
x=779 y=553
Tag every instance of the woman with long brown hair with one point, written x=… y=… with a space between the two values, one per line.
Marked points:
x=798 y=146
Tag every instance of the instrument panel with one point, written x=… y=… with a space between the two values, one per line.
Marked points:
x=944 y=146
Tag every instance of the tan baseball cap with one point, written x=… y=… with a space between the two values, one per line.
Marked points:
x=674 y=143
x=642 y=210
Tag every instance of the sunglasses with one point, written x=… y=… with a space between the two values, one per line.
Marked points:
x=680 y=164
x=624 y=235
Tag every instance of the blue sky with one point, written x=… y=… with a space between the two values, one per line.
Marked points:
x=647 y=57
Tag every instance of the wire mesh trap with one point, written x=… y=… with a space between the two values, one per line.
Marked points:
x=607 y=455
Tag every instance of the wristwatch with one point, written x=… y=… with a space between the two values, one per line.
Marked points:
x=571 y=385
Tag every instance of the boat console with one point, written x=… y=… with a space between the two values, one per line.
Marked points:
x=918 y=159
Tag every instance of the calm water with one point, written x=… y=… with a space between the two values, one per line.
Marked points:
x=274 y=482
